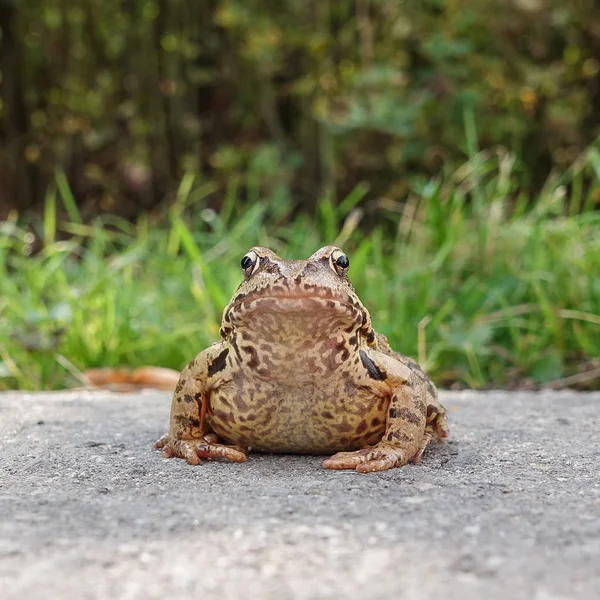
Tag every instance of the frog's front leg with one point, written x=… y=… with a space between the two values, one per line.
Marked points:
x=188 y=436
x=406 y=434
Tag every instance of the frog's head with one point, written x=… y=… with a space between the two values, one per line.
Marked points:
x=314 y=294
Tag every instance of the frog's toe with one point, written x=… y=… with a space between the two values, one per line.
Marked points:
x=209 y=450
x=162 y=441
x=194 y=450
x=378 y=458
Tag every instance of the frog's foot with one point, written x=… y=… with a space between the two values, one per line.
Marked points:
x=437 y=422
x=437 y=427
x=424 y=443
x=377 y=458
x=194 y=450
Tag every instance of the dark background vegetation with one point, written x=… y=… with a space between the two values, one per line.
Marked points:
x=315 y=95
x=452 y=148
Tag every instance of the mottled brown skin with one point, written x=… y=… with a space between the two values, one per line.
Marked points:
x=300 y=369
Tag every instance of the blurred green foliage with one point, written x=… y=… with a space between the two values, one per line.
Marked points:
x=310 y=97
x=483 y=292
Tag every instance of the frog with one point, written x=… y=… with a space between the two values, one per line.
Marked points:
x=299 y=369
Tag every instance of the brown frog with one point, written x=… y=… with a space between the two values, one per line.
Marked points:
x=300 y=369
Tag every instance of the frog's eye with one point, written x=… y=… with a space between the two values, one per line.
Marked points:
x=249 y=262
x=340 y=262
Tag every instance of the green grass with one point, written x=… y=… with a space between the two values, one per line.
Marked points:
x=483 y=289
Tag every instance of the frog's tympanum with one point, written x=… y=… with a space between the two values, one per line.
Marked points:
x=300 y=369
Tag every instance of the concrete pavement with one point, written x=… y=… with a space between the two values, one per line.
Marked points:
x=509 y=508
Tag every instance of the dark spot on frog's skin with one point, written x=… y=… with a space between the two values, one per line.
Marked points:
x=361 y=427
x=343 y=348
x=253 y=362
x=376 y=421
x=321 y=292
x=349 y=385
x=188 y=398
x=398 y=436
x=352 y=341
x=224 y=416
x=179 y=385
x=233 y=344
x=219 y=363
x=374 y=371
x=412 y=365
x=371 y=337
x=238 y=298
x=187 y=421
x=266 y=418
x=329 y=361
x=431 y=387
x=371 y=438
x=269 y=267
x=240 y=404
x=198 y=398
x=309 y=268
x=327 y=415
x=405 y=414
x=344 y=426
x=359 y=407
x=369 y=391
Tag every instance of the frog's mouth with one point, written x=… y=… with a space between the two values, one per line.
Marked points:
x=310 y=309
